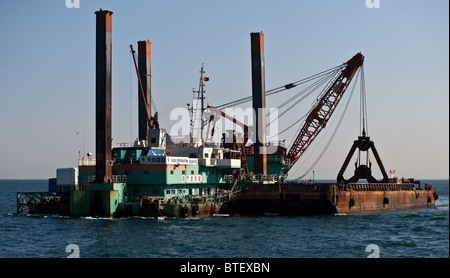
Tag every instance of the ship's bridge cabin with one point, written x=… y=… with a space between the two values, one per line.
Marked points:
x=159 y=167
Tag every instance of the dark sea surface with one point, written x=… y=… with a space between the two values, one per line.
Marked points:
x=422 y=233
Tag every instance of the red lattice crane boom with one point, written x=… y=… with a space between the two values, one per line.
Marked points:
x=323 y=109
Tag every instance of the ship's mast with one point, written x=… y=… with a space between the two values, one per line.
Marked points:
x=202 y=95
x=197 y=110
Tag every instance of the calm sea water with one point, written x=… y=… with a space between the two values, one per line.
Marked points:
x=420 y=233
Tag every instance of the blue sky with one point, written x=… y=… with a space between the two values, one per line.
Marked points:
x=47 y=72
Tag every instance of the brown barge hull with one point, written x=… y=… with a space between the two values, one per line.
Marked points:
x=367 y=201
x=309 y=199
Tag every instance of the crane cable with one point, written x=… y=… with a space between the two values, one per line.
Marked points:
x=331 y=81
x=324 y=77
x=364 y=125
x=360 y=71
x=307 y=91
x=281 y=88
x=310 y=89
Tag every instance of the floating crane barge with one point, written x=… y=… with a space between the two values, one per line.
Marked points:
x=156 y=176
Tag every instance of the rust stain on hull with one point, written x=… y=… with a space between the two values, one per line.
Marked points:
x=306 y=198
x=365 y=201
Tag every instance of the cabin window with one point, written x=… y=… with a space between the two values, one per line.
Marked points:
x=168 y=191
x=183 y=172
x=192 y=172
x=206 y=155
x=213 y=155
x=171 y=172
x=173 y=191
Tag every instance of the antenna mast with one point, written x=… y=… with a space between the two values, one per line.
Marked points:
x=202 y=95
